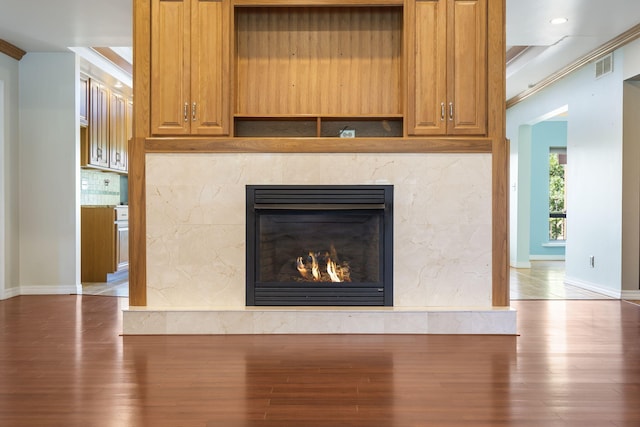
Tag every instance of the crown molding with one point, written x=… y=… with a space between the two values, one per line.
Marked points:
x=115 y=58
x=624 y=38
x=11 y=50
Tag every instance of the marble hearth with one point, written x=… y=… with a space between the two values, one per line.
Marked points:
x=196 y=244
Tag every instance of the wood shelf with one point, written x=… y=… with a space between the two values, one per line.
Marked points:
x=317 y=145
x=371 y=126
x=306 y=3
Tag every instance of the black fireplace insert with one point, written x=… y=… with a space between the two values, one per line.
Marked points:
x=319 y=245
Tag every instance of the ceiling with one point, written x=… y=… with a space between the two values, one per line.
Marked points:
x=45 y=25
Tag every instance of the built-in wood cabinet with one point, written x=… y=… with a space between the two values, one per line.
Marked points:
x=447 y=78
x=84 y=100
x=104 y=242
x=190 y=42
x=118 y=132
x=301 y=66
x=98 y=144
x=104 y=138
x=122 y=238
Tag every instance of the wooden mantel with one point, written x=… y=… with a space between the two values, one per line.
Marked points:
x=491 y=84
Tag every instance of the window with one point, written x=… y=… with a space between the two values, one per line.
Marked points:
x=557 y=194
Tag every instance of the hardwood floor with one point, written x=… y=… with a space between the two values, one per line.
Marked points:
x=545 y=280
x=63 y=363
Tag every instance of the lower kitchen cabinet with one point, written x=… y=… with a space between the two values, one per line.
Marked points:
x=104 y=242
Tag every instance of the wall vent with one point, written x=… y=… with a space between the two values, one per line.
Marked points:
x=604 y=66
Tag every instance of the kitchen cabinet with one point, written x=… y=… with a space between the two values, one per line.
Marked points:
x=447 y=83
x=118 y=132
x=122 y=238
x=190 y=67
x=98 y=148
x=104 y=242
x=104 y=139
x=84 y=100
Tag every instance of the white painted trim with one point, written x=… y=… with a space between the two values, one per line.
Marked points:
x=520 y=264
x=101 y=62
x=547 y=257
x=554 y=245
x=48 y=290
x=3 y=256
x=593 y=287
x=9 y=293
x=634 y=295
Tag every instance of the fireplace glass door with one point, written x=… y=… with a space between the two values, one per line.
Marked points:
x=320 y=250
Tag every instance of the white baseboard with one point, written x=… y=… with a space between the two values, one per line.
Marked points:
x=613 y=293
x=9 y=293
x=634 y=295
x=48 y=290
x=547 y=257
x=520 y=264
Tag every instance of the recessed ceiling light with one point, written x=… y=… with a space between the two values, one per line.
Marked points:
x=558 y=21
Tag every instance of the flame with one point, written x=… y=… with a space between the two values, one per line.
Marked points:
x=331 y=269
x=315 y=269
x=312 y=267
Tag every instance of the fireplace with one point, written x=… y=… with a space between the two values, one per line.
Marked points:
x=319 y=245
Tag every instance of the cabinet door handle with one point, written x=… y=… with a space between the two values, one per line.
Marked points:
x=118 y=157
x=451 y=111
x=99 y=153
x=185 y=111
x=193 y=112
x=442 y=113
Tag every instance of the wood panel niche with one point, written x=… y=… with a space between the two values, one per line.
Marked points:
x=319 y=61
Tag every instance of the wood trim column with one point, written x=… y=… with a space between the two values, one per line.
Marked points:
x=141 y=126
x=500 y=152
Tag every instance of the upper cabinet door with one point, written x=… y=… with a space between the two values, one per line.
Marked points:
x=426 y=29
x=467 y=74
x=117 y=132
x=447 y=64
x=98 y=125
x=84 y=100
x=189 y=67
x=170 y=81
x=210 y=40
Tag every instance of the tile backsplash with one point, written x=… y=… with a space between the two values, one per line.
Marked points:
x=99 y=188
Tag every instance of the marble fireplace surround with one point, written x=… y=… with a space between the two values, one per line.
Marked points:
x=196 y=244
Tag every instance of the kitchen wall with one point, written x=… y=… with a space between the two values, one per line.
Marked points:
x=99 y=188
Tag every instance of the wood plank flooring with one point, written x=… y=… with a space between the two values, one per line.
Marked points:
x=63 y=363
x=545 y=280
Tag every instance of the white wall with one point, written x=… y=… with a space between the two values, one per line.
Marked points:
x=520 y=198
x=631 y=175
x=631 y=190
x=49 y=174
x=9 y=264
x=594 y=148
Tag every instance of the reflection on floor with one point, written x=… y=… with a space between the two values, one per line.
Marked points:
x=115 y=288
x=544 y=281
